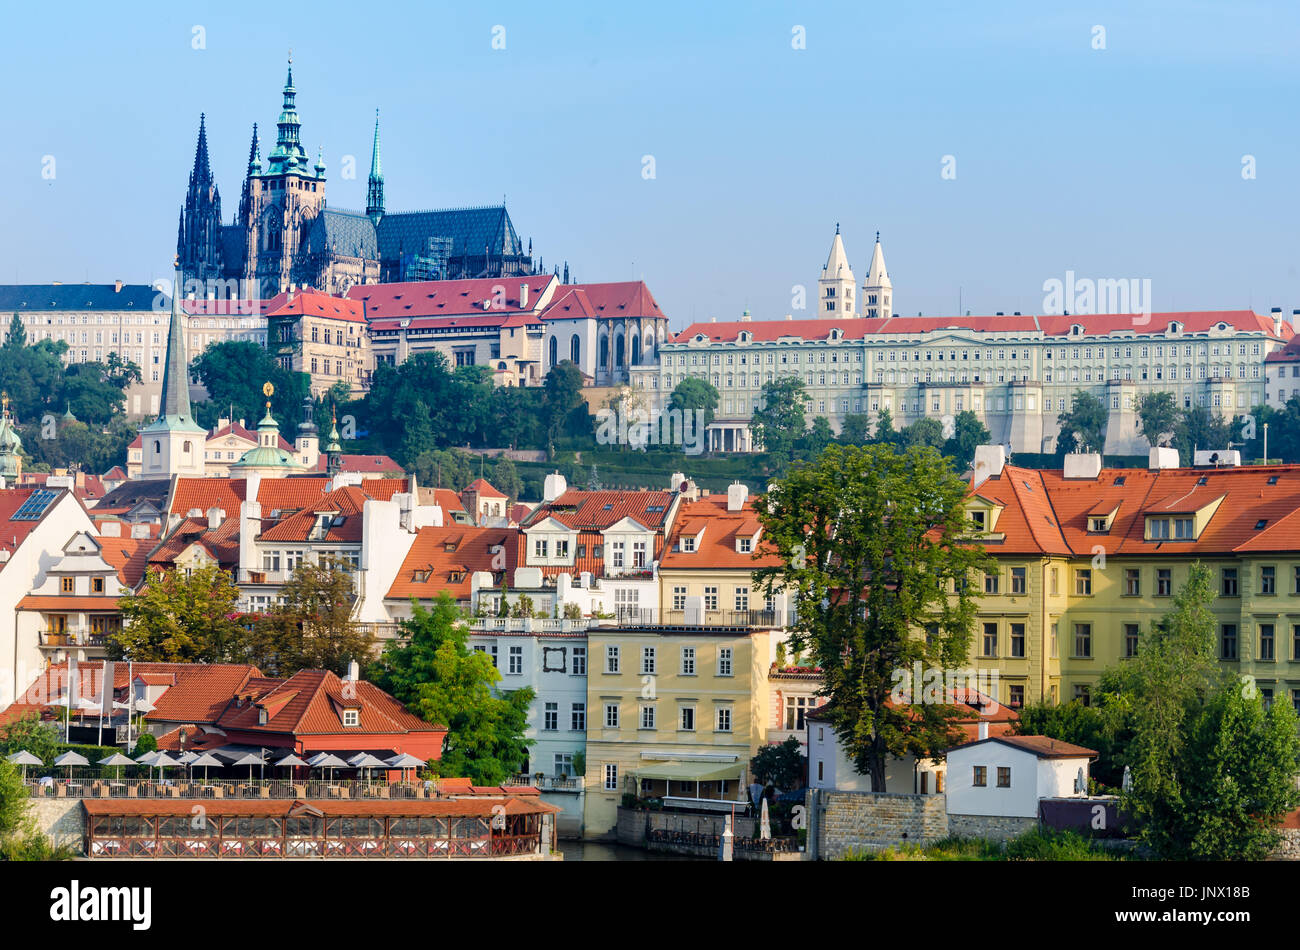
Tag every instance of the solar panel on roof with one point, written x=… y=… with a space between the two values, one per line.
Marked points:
x=35 y=505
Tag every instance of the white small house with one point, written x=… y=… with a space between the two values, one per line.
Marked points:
x=1006 y=776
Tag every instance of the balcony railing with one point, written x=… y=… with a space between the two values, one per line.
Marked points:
x=73 y=637
x=549 y=783
x=529 y=625
x=734 y=619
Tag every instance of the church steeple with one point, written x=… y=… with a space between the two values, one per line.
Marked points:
x=835 y=287
x=288 y=154
x=877 y=290
x=198 y=237
x=375 y=186
x=174 y=442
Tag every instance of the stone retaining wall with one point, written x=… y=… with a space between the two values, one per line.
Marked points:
x=869 y=821
x=63 y=820
x=991 y=827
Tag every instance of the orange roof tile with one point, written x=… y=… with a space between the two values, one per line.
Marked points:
x=438 y=552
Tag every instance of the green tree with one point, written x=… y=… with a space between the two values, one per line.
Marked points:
x=41 y=739
x=818 y=436
x=1096 y=727
x=432 y=670
x=692 y=394
x=1083 y=427
x=784 y=765
x=923 y=432
x=1212 y=771
x=505 y=477
x=855 y=429
x=179 y=618
x=778 y=423
x=20 y=839
x=869 y=543
x=311 y=626
x=233 y=373
x=968 y=432
x=563 y=408
x=1198 y=429
x=1157 y=417
x=885 y=432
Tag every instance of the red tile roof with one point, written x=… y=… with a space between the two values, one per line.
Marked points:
x=313 y=303
x=70 y=602
x=128 y=556
x=510 y=801
x=311 y=702
x=441 y=554
x=1046 y=513
x=375 y=464
x=855 y=328
x=1041 y=746
x=12 y=533
x=595 y=510
x=345 y=502
x=630 y=298
x=722 y=528
x=484 y=489
x=445 y=298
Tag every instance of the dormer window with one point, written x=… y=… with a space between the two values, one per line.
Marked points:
x=978 y=520
x=688 y=543
x=97 y=585
x=744 y=545
x=261 y=716
x=1098 y=524
x=420 y=577
x=352 y=717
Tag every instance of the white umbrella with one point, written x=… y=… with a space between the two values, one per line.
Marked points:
x=162 y=760
x=24 y=758
x=185 y=758
x=764 y=824
x=324 y=760
x=250 y=759
x=146 y=758
x=206 y=759
x=406 y=761
x=118 y=759
x=364 y=760
x=70 y=759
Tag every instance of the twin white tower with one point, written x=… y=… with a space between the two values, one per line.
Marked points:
x=835 y=289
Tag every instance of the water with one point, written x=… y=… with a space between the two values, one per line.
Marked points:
x=598 y=851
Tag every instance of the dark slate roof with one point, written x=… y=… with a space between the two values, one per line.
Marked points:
x=131 y=493
x=407 y=232
x=37 y=297
x=343 y=233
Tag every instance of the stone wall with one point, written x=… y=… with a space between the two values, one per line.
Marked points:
x=63 y=820
x=850 y=821
x=1289 y=848
x=991 y=827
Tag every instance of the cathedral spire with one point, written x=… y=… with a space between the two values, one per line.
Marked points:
x=288 y=154
x=202 y=172
x=174 y=404
x=375 y=187
x=254 y=156
x=877 y=290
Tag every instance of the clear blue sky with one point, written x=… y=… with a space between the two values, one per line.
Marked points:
x=1123 y=162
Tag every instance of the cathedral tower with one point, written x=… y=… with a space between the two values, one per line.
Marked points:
x=281 y=200
x=835 y=288
x=877 y=291
x=198 y=239
x=375 y=185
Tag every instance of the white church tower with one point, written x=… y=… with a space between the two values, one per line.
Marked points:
x=877 y=291
x=173 y=444
x=835 y=288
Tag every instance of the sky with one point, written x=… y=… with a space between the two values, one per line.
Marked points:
x=1169 y=155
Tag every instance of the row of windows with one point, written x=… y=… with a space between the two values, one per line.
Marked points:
x=648 y=717
x=724 y=666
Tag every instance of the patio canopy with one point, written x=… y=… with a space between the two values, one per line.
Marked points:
x=678 y=771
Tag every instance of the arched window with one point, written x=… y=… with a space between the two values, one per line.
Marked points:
x=187 y=448
x=554 y=352
x=575 y=350
x=157 y=447
x=636 y=351
x=618 y=352
x=604 y=351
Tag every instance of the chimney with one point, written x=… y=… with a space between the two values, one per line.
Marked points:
x=110 y=529
x=990 y=460
x=984 y=729
x=1277 y=321
x=117 y=286
x=675 y=481
x=553 y=487
x=523 y=296
x=1162 y=457
x=737 y=492
x=354 y=671
x=1082 y=465
x=215 y=517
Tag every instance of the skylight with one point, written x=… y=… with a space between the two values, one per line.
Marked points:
x=1260 y=523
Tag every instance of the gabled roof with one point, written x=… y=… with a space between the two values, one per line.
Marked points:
x=717 y=550
x=451 y=298
x=374 y=464
x=346 y=504
x=128 y=556
x=443 y=559
x=21 y=510
x=630 y=298
x=484 y=489
x=597 y=510
x=311 y=702
x=1041 y=746
x=313 y=303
